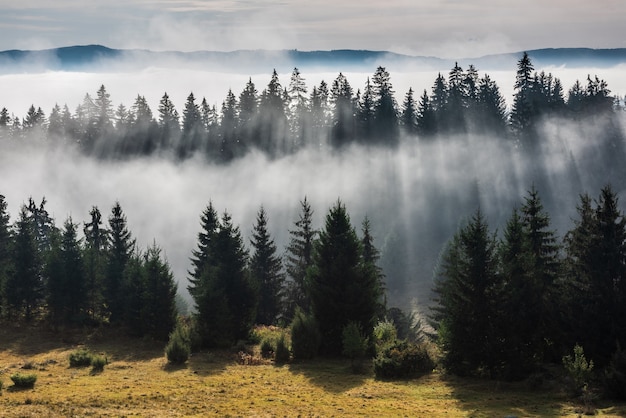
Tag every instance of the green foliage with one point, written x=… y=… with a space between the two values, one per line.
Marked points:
x=97 y=363
x=266 y=271
x=403 y=360
x=578 y=369
x=282 y=353
x=385 y=333
x=305 y=336
x=355 y=345
x=21 y=380
x=614 y=379
x=267 y=348
x=344 y=286
x=80 y=358
x=178 y=348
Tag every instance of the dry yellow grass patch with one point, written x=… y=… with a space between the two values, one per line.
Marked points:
x=138 y=382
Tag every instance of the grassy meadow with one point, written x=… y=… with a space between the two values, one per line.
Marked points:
x=138 y=382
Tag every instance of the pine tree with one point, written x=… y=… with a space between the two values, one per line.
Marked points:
x=192 y=129
x=266 y=271
x=341 y=289
x=343 y=111
x=385 y=108
x=95 y=257
x=522 y=112
x=298 y=259
x=365 y=115
x=229 y=146
x=426 y=122
x=223 y=293
x=319 y=113
x=121 y=247
x=169 y=122
x=6 y=248
x=158 y=310
x=66 y=289
x=467 y=295
x=545 y=269
x=248 y=113
x=370 y=257
x=24 y=288
x=408 y=118
x=298 y=109
x=273 y=123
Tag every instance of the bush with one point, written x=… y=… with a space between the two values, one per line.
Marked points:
x=354 y=345
x=402 y=360
x=385 y=334
x=81 y=358
x=267 y=348
x=305 y=336
x=178 y=348
x=614 y=378
x=578 y=371
x=24 y=380
x=98 y=363
x=282 y=351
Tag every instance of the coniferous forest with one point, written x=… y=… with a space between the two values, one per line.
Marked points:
x=510 y=291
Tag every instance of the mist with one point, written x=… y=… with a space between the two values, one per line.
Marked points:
x=416 y=195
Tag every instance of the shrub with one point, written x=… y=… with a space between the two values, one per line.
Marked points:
x=402 y=360
x=267 y=348
x=305 y=336
x=614 y=378
x=282 y=351
x=385 y=334
x=178 y=347
x=80 y=358
x=578 y=370
x=24 y=380
x=354 y=345
x=98 y=363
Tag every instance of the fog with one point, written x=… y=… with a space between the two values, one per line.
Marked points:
x=45 y=89
x=416 y=195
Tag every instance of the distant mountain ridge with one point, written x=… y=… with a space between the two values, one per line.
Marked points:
x=102 y=58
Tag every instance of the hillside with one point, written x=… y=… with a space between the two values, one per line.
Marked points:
x=101 y=58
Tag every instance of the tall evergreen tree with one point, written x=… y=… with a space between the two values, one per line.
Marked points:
x=408 y=118
x=24 y=288
x=248 y=113
x=158 y=310
x=95 y=257
x=467 y=294
x=298 y=109
x=273 y=121
x=6 y=248
x=342 y=289
x=385 y=108
x=266 y=270
x=426 y=122
x=169 y=122
x=223 y=293
x=342 y=124
x=121 y=247
x=545 y=270
x=523 y=113
x=192 y=129
x=298 y=259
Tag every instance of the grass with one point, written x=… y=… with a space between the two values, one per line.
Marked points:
x=139 y=382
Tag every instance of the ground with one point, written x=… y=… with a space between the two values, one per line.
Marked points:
x=138 y=382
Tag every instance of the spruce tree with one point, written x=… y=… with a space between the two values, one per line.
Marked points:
x=121 y=247
x=343 y=110
x=158 y=310
x=467 y=293
x=298 y=259
x=342 y=289
x=6 y=248
x=266 y=271
x=408 y=118
x=24 y=288
x=95 y=257
x=385 y=108
x=544 y=273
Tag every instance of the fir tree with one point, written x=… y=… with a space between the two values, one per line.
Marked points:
x=266 y=272
x=298 y=259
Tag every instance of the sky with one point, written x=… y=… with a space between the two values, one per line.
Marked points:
x=443 y=28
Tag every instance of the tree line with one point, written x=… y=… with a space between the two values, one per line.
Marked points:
x=508 y=303
x=54 y=275
x=282 y=119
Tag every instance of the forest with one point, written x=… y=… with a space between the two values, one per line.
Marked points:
x=504 y=303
